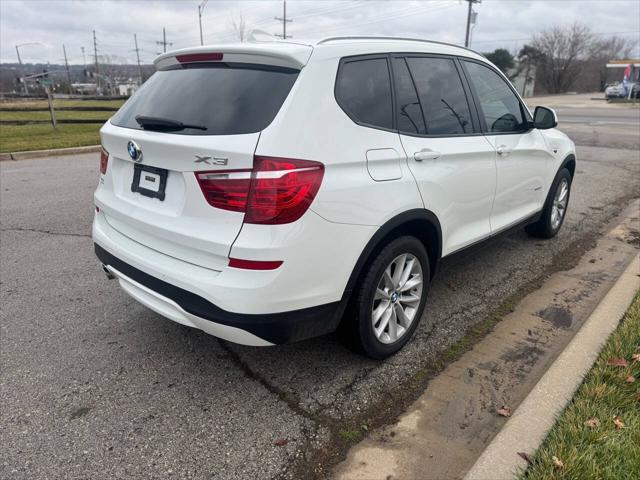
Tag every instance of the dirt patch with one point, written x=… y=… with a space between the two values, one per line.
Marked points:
x=558 y=316
x=633 y=238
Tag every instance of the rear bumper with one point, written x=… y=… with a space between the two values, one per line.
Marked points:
x=190 y=309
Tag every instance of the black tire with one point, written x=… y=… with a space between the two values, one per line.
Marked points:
x=359 y=329
x=544 y=227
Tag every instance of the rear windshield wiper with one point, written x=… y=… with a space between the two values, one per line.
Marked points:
x=159 y=123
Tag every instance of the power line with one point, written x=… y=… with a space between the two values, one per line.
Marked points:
x=407 y=12
x=524 y=39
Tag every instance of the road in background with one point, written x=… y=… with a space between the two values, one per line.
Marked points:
x=95 y=385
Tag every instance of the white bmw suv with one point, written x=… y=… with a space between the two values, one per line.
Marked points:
x=272 y=192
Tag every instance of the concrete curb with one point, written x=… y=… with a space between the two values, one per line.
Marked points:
x=536 y=415
x=48 y=153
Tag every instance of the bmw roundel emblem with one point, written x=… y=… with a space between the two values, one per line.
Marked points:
x=134 y=151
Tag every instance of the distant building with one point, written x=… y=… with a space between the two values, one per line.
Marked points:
x=127 y=89
x=85 y=88
x=619 y=66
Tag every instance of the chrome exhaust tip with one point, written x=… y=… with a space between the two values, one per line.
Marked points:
x=106 y=271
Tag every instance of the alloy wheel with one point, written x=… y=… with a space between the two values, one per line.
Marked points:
x=397 y=298
x=559 y=206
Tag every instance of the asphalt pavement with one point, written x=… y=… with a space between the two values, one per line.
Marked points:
x=94 y=385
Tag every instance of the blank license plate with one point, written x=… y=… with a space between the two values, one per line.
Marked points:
x=149 y=181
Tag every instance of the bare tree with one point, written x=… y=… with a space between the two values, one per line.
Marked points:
x=239 y=25
x=563 y=52
x=605 y=49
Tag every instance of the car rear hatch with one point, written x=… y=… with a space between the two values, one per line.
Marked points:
x=202 y=111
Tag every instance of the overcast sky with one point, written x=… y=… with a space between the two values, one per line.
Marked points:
x=501 y=23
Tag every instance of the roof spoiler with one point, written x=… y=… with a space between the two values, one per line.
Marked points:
x=278 y=54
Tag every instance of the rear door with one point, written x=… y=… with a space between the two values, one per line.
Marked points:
x=452 y=162
x=189 y=118
x=522 y=153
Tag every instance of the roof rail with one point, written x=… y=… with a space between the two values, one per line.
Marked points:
x=404 y=39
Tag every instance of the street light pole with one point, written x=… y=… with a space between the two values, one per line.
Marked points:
x=200 y=10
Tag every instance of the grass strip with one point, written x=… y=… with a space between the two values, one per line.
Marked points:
x=20 y=138
x=598 y=434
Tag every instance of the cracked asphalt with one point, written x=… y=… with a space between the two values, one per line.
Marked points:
x=94 y=385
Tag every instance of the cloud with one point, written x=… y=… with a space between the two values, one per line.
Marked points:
x=501 y=23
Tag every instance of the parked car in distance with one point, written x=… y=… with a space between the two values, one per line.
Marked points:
x=615 y=90
x=272 y=192
x=618 y=91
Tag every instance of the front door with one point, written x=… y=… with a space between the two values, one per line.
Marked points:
x=522 y=154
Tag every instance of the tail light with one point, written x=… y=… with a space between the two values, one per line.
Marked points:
x=199 y=57
x=227 y=190
x=277 y=191
x=104 y=160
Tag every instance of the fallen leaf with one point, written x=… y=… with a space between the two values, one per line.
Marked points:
x=526 y=456
x=557 y=462
x=504 y=411
x=618 y=422
x=617 y=362
x=630 y=379
x=592 y=423
x=281 y=442
x=635 y=357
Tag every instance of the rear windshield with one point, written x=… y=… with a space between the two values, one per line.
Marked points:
x=220 y=99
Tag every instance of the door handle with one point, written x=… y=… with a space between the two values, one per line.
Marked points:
x=503 y=150
x=426 y=154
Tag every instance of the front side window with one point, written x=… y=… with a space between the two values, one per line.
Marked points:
x=500 y=106
x=442 y=97
x=363 y=90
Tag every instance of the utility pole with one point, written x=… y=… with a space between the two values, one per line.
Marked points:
x=164 y=42
x=137 y=50
x=24 y=76
x=52 y=112
x=200 y=10
x=95 y=53
x=66 y=66
x=24 y=79
x=469 y=15
x=284 y=20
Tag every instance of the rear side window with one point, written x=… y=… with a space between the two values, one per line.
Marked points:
x=500 y=106
x=220 y=99
x=363 y=90
x=442 y=95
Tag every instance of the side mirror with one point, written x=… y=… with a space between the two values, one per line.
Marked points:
x=544 y=118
